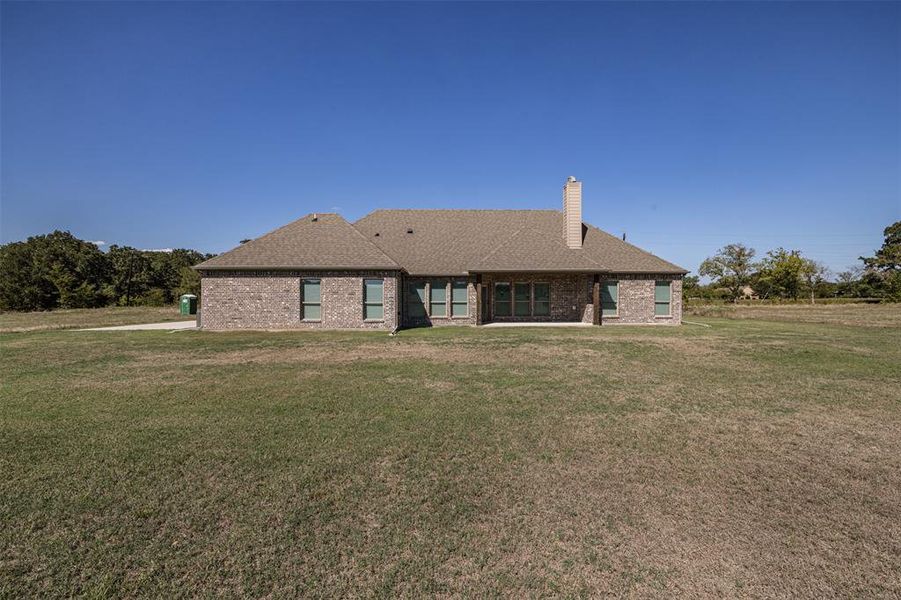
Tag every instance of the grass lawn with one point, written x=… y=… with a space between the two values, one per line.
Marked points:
x=78 y=318
x=751 y=458
x=861 y=315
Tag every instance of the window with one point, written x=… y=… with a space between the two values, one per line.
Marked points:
x=522 y=296
x=438 y=299
x=311 y=300
x=662 y=299
x=542 y=306
x=502 y=299
x=459 y=299
x=609 y=298
x=373 y=294
x=416 y=299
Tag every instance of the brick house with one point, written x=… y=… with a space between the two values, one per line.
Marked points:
x=409 y=268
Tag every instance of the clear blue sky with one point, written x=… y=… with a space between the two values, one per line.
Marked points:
x=692 y=125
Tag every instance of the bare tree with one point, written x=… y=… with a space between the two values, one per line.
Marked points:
x=813 y=273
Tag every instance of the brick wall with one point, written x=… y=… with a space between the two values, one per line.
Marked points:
x=636 y=300
x=572 y=295
x=272 y=300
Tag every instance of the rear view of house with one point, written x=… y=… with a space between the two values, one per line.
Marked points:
x=410 y=268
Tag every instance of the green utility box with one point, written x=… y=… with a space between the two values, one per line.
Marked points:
x=188 y=304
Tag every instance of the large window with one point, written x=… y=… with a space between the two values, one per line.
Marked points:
x=438 y=299
x=609 y=298
x=373 y=298
x=416 y=299
x=522 y=299
x=542 y=305
x=311 y=298
x=662 y=297
x=459 y=299
x=502 y=299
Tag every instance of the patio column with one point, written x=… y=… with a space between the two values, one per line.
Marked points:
x=596 y=300
x=478 y=307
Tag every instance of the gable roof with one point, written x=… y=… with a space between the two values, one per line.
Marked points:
x=457 y=242
x=328 y=242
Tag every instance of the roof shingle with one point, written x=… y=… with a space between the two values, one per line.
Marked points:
x=439 y=242
x=457 y=242
x=329 y=242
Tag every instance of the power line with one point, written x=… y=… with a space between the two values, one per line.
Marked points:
x=746 y=234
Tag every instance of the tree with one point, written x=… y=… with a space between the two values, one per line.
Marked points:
x=131 y=276
x=59 y=270
x=77 y=269
x=21 y=286
x=883 y=271
x=730 y=267
x=53 y=270
x=190 y=282
x=888 y=258
x=848 y=282
x=814 y=274
x=185 y=280
x=690 y=284
x=150 y=277
x=782 y=273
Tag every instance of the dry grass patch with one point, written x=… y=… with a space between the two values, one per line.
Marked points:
x=753 y=458
x=79 y=318
x=854 y=315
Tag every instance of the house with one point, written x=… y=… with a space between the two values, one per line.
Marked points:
x=409 y=268
x=748 y=293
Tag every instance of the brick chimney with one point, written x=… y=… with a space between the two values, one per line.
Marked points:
x=572 y=212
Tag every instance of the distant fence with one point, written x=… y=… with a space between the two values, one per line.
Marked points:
x=689 y=301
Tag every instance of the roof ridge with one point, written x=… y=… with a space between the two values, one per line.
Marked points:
x=633 y=246
x=549 y=236
x=281 y=243
x=501 y=243
x=532 y=210
x=371 y=243
x=268 y=233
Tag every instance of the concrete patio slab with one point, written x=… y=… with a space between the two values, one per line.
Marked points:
x=533 y=324
x=170 y=326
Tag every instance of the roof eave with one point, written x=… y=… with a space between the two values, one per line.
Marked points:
x=585 y=270
x=294 y=268
x=533 y=270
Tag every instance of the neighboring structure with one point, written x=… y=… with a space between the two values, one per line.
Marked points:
x=748 y=293
x=408 y=268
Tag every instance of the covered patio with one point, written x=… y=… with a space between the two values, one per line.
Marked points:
x=537 y=298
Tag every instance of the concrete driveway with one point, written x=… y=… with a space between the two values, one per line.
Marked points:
x=170 y=326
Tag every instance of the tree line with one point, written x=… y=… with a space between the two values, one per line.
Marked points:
x=787 y=274
x=58 y=270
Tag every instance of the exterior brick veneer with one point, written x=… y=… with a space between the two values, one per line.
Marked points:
x=572 y=297
x=636 y=300
x=272 y=300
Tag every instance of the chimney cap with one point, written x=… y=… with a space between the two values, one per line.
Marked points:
x=570 y=179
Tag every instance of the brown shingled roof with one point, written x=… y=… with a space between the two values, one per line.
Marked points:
x=328 y=242
x=439 y=242
x=457 y=242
